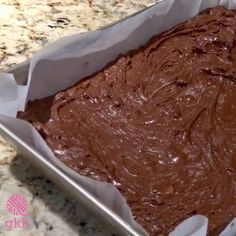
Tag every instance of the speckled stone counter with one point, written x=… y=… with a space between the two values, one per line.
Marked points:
x=25 y=27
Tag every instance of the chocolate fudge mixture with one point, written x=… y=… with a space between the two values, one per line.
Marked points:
x=159 y=123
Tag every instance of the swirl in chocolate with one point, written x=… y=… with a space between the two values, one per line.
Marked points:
x=159 y=123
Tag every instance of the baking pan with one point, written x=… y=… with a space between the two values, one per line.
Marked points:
x=57 y=175
x=67 y=183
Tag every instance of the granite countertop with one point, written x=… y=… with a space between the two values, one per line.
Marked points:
x=25 y=27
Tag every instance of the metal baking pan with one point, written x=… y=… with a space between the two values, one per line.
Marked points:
x=58 y=176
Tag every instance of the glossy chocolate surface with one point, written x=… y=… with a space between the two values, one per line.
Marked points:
x=159 y=123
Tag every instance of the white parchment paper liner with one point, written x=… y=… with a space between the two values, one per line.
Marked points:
x=63 y=63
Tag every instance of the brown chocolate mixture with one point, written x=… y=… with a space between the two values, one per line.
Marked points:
x=159 y=123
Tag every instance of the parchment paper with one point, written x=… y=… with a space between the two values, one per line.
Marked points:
x=63 y=63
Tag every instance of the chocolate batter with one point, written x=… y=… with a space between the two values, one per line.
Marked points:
x=159 y=123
